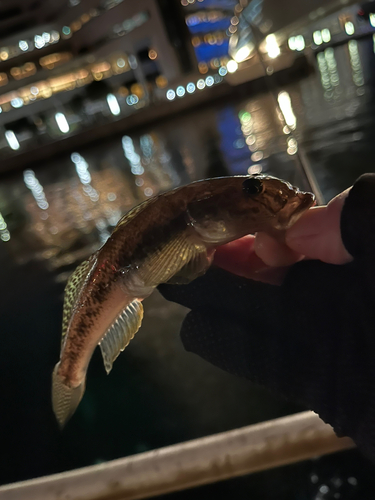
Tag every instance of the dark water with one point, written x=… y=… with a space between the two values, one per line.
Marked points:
x=157 y=394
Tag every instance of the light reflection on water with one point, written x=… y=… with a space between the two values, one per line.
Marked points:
x=54 y=215
x=84 y=195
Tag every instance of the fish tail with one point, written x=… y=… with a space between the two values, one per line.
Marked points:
x=65 y=399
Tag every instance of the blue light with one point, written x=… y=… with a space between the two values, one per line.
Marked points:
x=201 y=84
x=190 y=87
x=171 y=94
x=17 y=102
x=206 y=52
x=132 y=99
x=180 y=91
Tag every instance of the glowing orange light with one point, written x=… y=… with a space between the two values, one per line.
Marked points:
x=85 y=18
x=152 y=54
x=83 y=73
x=101 y=67
x=161 y=81
x=3 y=79
x=123 y=91
x=195 y=41
x=75 y=26
x=137 y=89
x=202 y=67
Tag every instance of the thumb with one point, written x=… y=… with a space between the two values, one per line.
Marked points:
x=317 y=233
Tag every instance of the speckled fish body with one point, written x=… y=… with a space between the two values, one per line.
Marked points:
x=171 y=237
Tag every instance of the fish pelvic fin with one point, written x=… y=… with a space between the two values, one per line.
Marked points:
x=65 y=399
x=121 y=333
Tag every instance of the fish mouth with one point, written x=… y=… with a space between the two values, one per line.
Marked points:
x=301 y=203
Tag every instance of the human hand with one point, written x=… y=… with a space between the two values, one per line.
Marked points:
x=310 y=339
x=316 y=235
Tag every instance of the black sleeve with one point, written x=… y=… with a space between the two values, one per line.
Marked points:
x=312 y=339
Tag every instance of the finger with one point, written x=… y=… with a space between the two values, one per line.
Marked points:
x=273 y=252
x=317 y=233
x=239 y=257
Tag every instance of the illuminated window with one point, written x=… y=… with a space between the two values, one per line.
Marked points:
x=292 y=43
x=232 y=66
x=62 y=122
x=300 y=43
x=317 y=37
x=326 y=35
x=349 y=28
x=12 y=140
x=272 y=47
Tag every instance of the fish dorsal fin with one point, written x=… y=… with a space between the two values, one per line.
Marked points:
x=73 y=289
x=121 y=333
x=132 y=213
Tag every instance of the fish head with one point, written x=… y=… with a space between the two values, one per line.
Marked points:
x=242 y=205
x=280 y=203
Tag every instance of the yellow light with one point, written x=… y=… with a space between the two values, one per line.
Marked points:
x=232 y=66
x=243 y=53
x=349 y=28
x=372 y=20
x=286 y=109
x=161 y=81
x=82 y=74
x=272 y=46
x=152 y=54
x=202 y=67
x=15 y=72
x=85 y=18
x=300 y=43
x=3 y=79
x=292 y=43
x=75 y=26
x=317 y=37
x=137 y=89
x=326 y=35
x=123 y=91
x=4 y=54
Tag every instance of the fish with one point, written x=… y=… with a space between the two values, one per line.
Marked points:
x=170 y=238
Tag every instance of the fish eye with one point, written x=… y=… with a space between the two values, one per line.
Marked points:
x=252 y=186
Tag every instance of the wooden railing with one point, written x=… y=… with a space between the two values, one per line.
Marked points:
x=214 y=458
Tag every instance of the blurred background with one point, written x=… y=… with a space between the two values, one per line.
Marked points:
x=104 y=103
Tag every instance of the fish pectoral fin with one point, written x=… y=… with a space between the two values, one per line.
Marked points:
x=197 y=266
x=166 y=262
x=121 y=333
